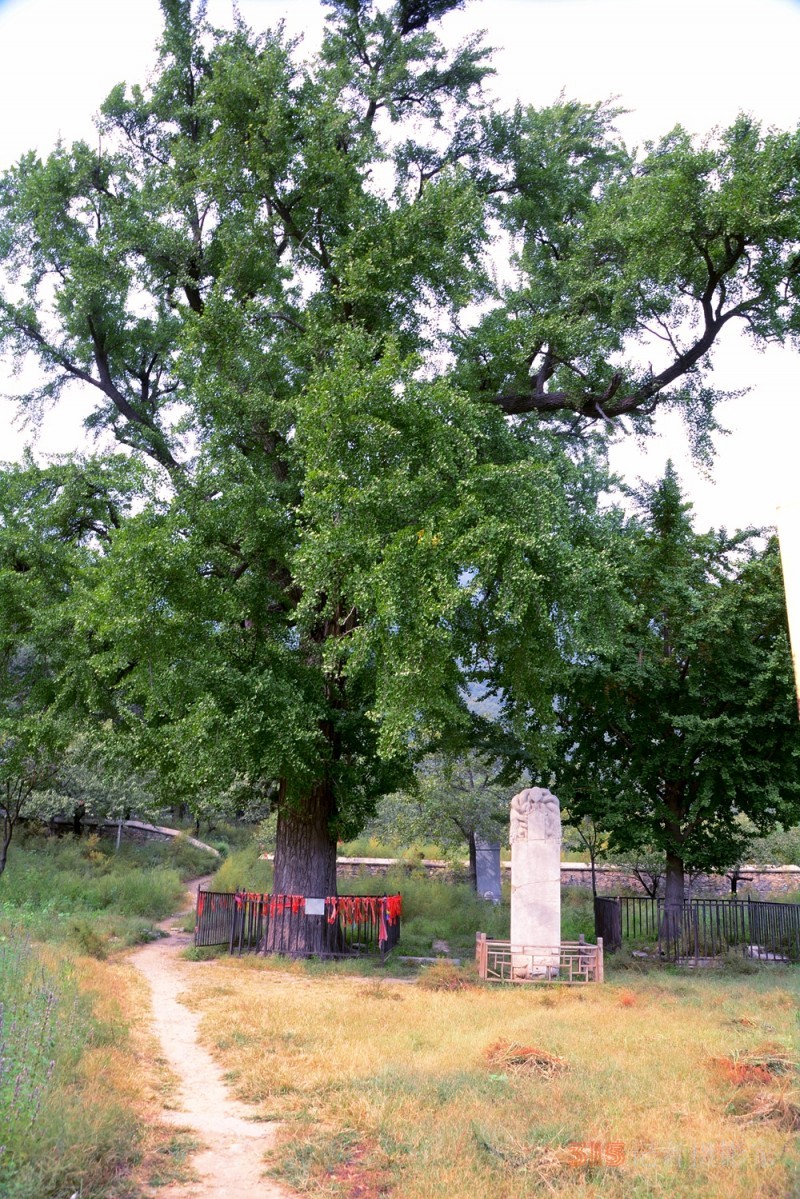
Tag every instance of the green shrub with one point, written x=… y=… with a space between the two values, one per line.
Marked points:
x=577 y=914
x=82 y=892
x=88 y=940
x=178 y=853
x=243 y=870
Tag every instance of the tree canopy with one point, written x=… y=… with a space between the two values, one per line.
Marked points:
x=53 y=524
x=377 y=450
x=689 y=722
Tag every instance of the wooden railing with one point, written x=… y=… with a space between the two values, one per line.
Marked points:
x=570 y=963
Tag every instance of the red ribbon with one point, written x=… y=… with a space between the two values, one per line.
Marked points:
x=383 y=910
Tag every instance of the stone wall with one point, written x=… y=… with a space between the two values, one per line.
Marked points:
x=132 y=830
x=753 y=880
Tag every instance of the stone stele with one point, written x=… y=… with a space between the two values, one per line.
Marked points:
x=535 y=883
x=487 y=870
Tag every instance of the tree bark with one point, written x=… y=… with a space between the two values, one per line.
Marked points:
x=78 y=813
x=5 y=841
x=674 y=896
x=473 y=861
x=305 y=864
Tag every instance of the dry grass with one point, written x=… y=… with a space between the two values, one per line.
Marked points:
x=124 y=1069
x=510 y=1055
x=384 y=1089
x=763 y=1085
x=779 y=1106
x=445 y=976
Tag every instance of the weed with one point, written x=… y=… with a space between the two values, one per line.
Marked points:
x=779 y=1106
x=445 y=976
x=58 y=1132
x=512 y=1055
x=169 y=1161
x=202 y=953
x=87 y=940
x=759 y=1065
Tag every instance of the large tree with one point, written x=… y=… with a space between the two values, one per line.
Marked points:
x=688 y=723
x=267 y=273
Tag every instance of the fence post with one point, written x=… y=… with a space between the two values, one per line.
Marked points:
x=599 y=973
x=481 y=954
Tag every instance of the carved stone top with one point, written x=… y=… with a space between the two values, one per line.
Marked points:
x=535 y=816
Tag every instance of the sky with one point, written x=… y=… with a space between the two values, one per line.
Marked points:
x=694 y=62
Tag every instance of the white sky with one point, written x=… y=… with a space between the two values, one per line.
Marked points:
x=697 y=62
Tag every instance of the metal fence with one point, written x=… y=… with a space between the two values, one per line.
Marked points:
x=346 y=925
x=214 y=917
x=705 y=928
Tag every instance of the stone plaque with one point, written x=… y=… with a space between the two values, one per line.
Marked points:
x=487 y=869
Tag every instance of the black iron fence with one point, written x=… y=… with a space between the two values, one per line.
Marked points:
x=214 y=917
x=705 y=928
x=339 y=926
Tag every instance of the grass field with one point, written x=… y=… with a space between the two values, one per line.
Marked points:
x=661 y=1083
x=81 y=1079
x=669 y=1084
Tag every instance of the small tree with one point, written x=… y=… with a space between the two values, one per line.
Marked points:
x=29 y=751
x=690 y=721
x=455 y=802
x=585 y=834
x=52 y=526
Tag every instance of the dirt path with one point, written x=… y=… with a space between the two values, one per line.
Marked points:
x=230 y=1164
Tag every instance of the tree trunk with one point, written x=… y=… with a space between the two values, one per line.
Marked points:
x=473 y=861
x=305 y=864
x=593 y=864
x=674 y=895
x=5 y=841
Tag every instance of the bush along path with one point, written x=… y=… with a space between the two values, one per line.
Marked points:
x=229 y=1164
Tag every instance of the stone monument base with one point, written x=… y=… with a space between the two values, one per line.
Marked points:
x=509 y=962
x=529 y=962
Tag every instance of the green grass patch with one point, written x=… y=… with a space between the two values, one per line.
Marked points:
x=243 y=870
x=170 y=1161
x=83 y=893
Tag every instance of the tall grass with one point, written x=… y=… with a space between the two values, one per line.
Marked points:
x=55 y=1137
x=243 y=870
x=81 y=891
